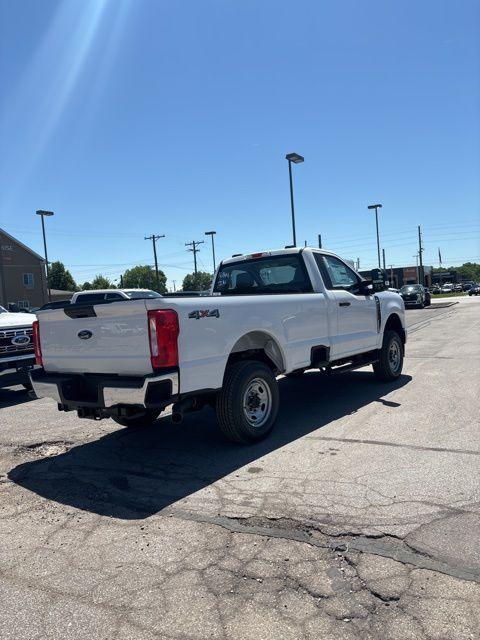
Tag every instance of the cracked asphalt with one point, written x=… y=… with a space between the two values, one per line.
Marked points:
x=357 y=518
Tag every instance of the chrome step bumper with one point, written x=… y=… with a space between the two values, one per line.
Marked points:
x=104 y=392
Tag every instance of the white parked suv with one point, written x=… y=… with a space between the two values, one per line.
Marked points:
x=94 y=296
x=268 y=313
x=16 y=348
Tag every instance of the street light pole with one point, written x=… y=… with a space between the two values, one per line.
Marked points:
x=377 y=207
x=211 y=234
x=42 y=214
x=296 y=159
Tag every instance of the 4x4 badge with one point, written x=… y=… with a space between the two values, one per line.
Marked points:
x=204 y=313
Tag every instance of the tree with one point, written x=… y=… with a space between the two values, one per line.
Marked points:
x=101 y=282
x=143 y=277
x=61 y=278
x=86 y=286
x=467 y=271
x=199 y=281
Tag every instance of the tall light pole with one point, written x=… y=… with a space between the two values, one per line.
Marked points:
x=211 y=234
x=42 y=214
x=154 y=239
x=376 y=207
x=296 y=159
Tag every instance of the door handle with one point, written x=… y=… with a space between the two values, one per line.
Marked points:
x=344 y=304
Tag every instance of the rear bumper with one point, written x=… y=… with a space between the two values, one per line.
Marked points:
x=15 y=370
x=75 y=391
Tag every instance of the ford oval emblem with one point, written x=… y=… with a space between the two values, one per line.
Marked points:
x=21 y=340
x=85 y=334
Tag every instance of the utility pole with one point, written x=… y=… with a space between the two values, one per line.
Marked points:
x=358 y=264
x=194 y=244
x=154 y=239
x=420 y=251
x=391 y=275
x=418 y=275
x=383 y=254
x=121 y=282
x=174 y=285
x=319 y=240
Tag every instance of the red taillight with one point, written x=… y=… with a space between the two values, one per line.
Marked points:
x=36 y=343
x=163 y=329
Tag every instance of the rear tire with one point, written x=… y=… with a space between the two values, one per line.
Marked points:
x=389 y=367
x=142 y=419
x=247 y=405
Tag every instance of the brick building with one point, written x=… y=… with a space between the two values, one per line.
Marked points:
x=22 y=274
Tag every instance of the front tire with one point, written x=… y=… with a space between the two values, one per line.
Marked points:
x=247 y=405
x=141 y=419
x=389 y=367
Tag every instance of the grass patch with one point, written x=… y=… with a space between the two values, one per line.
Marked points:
x=454 y=294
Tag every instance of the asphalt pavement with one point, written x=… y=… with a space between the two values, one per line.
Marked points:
x=357 y=518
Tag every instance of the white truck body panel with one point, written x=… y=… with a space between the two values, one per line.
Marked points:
x=288 y=325
x=119 y=343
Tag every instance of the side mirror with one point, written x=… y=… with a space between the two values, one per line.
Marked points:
x=366 y=287
x=379 y=281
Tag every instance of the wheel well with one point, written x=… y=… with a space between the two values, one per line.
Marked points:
x=258 y=345
x=395 y=324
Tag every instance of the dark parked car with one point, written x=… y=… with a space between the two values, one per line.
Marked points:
x=415 y=294
x=475 y=290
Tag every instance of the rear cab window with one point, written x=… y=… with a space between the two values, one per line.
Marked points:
x=264 y=275
x=88 y=298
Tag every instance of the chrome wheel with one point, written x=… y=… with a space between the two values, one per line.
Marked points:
x=394 y=356
x=257 y=402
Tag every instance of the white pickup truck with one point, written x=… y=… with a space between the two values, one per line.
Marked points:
x=268 y=313
x=16 y=348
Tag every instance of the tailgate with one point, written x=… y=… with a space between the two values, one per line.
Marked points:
x=112 y=339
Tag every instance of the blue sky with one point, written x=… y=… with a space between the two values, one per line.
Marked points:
x=133 y=117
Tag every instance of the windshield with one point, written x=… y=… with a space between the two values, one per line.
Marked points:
x=138 y=295
x=270 y=274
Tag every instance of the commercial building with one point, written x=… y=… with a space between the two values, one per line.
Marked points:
x=398 y=276
x=22 y=274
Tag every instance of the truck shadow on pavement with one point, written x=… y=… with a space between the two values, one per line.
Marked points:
x=10 y=397
x=132 y=474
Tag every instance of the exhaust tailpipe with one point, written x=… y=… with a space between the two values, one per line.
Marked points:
x=184 y=406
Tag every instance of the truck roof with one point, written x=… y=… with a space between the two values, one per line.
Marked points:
x=274 y=252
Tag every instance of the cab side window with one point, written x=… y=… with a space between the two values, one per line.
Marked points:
x=337 y=274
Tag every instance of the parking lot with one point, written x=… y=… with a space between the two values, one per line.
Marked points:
x=357 y=518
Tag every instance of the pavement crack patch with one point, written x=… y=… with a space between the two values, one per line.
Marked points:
x=384 y=545
x=45 y=449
